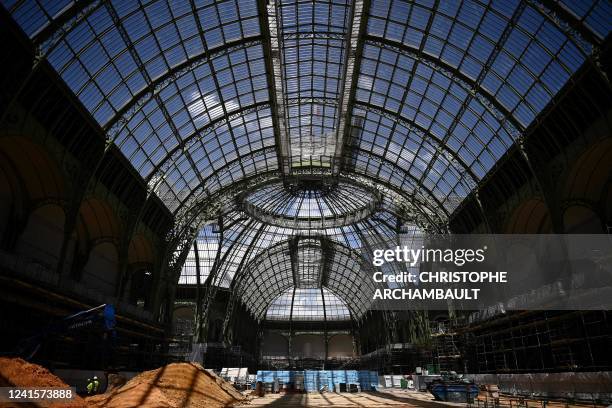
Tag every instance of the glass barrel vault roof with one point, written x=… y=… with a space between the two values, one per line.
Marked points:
x=418 y=98
x=443 y=87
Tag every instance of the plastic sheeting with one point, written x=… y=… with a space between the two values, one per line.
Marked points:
x=235 y=374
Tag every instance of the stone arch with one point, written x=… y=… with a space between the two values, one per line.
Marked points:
x=100 y=270
x=590 y=174
x=29 y=179
x=275 y=345
x=97 y=222
x=339 y=346
x=140 y=250
x=581 y=219
x=587 y=191
x=43 y=235
x=530 y=217
x=96 y=254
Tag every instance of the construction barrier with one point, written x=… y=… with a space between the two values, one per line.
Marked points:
x=319 y=380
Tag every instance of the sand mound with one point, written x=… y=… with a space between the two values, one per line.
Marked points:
x=114 y=381
x=15 y=372
x=175 y=385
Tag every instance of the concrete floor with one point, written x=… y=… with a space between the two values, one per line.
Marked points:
x=387 y=398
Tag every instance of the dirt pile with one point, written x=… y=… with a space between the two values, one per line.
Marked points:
x=15 y=372
x=114 y=381
x=174 y=385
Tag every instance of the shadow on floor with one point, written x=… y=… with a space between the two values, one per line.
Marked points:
x=407 y=399
x=341 y=400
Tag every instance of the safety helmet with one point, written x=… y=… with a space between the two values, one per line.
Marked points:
x=89 y=379
x=95 y=378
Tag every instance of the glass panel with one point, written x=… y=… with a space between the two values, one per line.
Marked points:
x=312 y=37
x=207 y=243
x=309 y=305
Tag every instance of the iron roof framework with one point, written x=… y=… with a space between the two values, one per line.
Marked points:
x=413 y=101
x=312 y=267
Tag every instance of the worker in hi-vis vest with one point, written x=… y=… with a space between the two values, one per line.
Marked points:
x=96 y=385
x=90 y=386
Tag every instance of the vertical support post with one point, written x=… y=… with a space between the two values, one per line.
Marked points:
x=325 y=336
x=198 y=302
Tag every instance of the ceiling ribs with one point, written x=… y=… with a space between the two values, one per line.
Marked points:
x=352 y=63
x=272 y=40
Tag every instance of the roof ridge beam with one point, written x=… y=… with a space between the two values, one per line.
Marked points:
x=268 y=23
x=352 y=63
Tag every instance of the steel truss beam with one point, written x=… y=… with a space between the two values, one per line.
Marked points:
x=116 y=123
x=352 y=63
x=578 y=30
x=409 y=207
x=245 y=274
x=273 y=55
x=322 y=35
x=471 y=86
x=441 y=147
x=477 y=83
x=193 y=209
x=268 y=215
x=198 y=189
x=418 y=184
x=304 y=100
x=186 y=143
x=130 y=46
x=48 y=37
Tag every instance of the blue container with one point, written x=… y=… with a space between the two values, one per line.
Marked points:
x=338 y=376
x=453 y=391
x=374 y=379
x=364 y=381
x=315 y=380
x=311 y=381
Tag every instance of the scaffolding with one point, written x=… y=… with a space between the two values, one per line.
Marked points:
x=539 y=341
